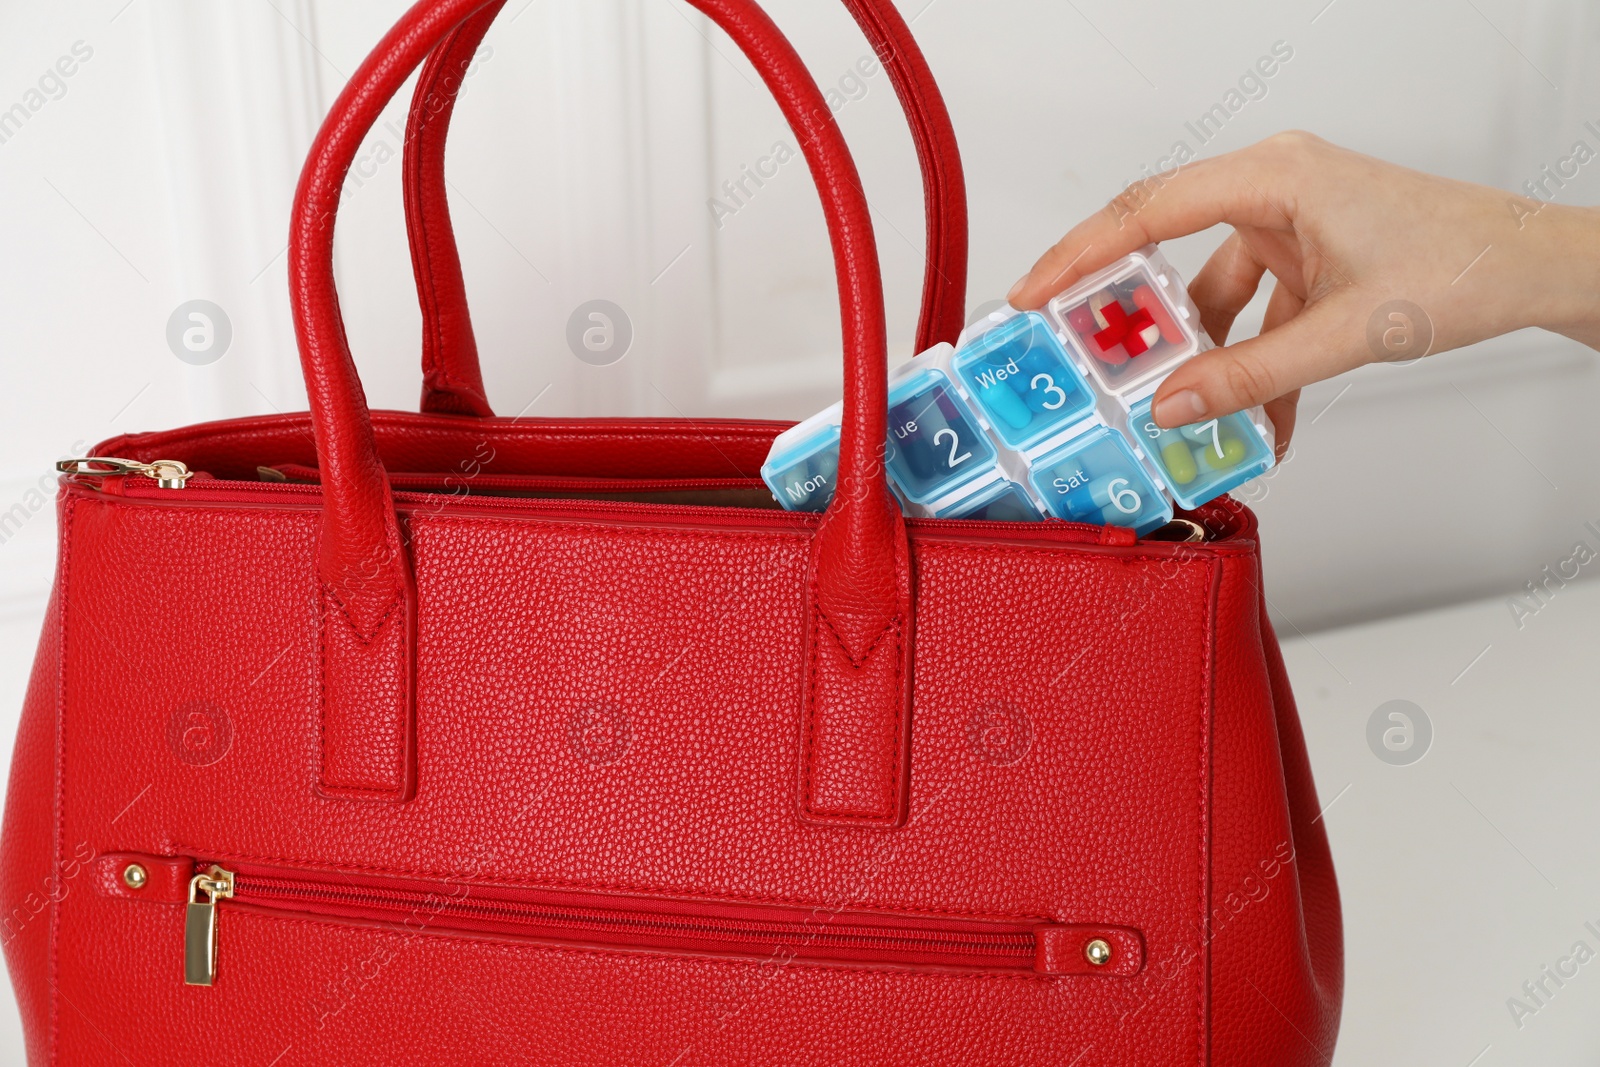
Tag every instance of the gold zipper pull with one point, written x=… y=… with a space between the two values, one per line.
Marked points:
x=168 y=473
x=200 y=925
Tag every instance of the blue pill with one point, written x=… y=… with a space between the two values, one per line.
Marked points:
x=1004 y=402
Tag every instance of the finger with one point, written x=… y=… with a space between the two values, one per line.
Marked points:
x=1325 y=339
x=1232 y=188
x=1284 y=305
x=1224 y=286
x=1283 y=412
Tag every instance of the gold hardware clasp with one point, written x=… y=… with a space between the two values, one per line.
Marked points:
x=200 y=925
x=167 y=473
x=1181 y=531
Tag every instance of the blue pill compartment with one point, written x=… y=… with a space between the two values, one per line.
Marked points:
x=1000 y=501
x=1202 y=461
x=935 y=444
x=1023 y=380
x=803 y=470
x=1096 y=478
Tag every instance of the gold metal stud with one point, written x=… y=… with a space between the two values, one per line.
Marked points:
x=1097 y=952
x=134 y=876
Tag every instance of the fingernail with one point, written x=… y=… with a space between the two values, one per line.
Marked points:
x=1015 y=289
x=1179 y=409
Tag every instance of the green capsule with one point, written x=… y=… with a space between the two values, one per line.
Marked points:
x=1180 y=465
x=1233 y=453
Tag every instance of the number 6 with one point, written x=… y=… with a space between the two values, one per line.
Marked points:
x=1119 y=495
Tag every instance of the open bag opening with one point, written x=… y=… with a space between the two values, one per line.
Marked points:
x=437 y=460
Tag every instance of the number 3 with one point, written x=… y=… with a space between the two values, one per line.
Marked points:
x=1050 y=386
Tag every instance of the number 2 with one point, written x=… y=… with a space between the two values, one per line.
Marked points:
x=955 y=443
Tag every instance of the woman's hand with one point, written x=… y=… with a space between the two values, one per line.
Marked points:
x=1343 y=235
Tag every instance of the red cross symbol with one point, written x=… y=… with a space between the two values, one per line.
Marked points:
x=1124 y=329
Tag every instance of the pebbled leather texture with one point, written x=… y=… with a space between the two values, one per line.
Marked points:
x=452 y=377
x=859 y=559
x=166 y=878
x=368 y=734
x=32 y=885
x=1065 y=950
x=611 y=702
x=856 y=743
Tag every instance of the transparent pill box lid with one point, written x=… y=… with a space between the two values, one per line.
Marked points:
x=1025 y=384
x=1203 y=460
x=936 y=443
x=1046 y=414
x=1097 y=478
x=803 y=466
x=1129 y=324
x=997 y=500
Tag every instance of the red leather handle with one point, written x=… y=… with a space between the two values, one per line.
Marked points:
x=452 y=378
x=860 y=617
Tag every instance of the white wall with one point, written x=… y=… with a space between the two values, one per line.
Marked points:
x=592 y=137
x=589 y=141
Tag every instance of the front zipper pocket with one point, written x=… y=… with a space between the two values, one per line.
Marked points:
x=782 y=932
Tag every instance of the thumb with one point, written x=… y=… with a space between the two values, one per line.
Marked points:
x=1327 y=338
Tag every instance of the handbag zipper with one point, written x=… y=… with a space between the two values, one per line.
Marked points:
x=232 y=491
x=759 y=931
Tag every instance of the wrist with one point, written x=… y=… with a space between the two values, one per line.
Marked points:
x=1571 y=261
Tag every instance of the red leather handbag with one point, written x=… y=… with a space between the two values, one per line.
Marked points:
x=360 y=767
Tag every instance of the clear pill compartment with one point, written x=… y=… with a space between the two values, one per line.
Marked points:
x=1023 y=381
x=803 y=466
x=1097 y=478
x=935 y=443
x=997 y=500
x=1129 y=323
x=1202 y=461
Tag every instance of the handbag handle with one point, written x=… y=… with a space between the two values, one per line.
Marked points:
x=856 y=694
x=452 y=381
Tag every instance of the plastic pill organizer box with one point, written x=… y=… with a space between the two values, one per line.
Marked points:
x=1034 y=415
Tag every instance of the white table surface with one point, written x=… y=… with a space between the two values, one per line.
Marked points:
x=1463 y=873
